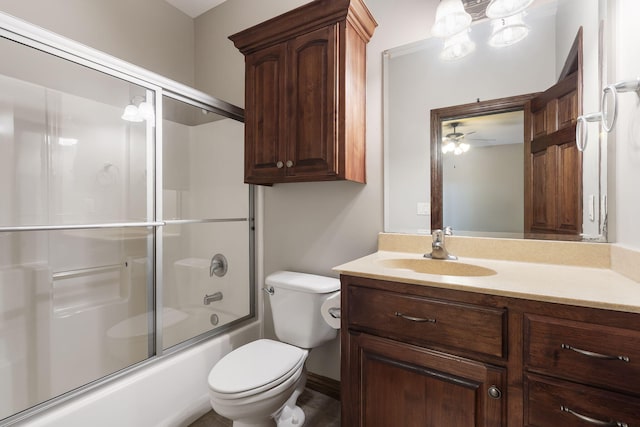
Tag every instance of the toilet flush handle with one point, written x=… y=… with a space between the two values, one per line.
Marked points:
x=269 y=290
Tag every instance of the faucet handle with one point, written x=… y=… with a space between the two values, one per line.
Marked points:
x=448 y=230
x=436 y=234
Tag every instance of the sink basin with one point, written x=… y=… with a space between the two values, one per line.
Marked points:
x=443 y=268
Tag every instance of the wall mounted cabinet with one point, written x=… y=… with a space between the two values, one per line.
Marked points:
x=305 y=91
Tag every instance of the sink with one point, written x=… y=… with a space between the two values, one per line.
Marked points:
x=443 y=268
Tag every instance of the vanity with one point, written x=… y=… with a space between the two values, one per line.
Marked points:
x=543 y=334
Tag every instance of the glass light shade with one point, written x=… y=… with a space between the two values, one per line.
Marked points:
x=508 y=31
x=457 y=46
x=504 y=8
x=131 y=114
x=448 y=147
x=451 y=18
x=145 y=111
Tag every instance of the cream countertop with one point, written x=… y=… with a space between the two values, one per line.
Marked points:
x=596 y=287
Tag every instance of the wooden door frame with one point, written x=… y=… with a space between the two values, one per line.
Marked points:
x=480 y=108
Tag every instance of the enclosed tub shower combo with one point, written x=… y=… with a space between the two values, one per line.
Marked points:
x=126 y=231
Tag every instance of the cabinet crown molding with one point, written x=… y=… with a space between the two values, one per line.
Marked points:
x=306 y=18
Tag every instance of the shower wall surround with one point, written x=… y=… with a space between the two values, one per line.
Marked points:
x=108 y=226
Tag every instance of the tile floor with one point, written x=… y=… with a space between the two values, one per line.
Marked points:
x=320 y=411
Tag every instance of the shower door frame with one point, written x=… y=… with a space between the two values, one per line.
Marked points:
x=37 y=38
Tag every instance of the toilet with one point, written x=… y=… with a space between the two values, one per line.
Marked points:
x=258 y=384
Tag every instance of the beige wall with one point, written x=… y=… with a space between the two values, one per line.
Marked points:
x=219 y=65
x=312 y=227
x=149 y=33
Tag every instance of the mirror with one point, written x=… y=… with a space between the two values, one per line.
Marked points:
x=418 y=82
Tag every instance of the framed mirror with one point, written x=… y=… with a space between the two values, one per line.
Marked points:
x=418 y=82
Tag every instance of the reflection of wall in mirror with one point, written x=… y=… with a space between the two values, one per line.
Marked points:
x=483 y=190
x=418 y=81
x=571 y=15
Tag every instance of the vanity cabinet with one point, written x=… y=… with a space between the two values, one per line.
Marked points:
x=413 y=360
x=305 y=93
x=418 y=355
x=580 y=372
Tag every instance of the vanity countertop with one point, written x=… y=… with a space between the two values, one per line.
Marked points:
x=594 y=287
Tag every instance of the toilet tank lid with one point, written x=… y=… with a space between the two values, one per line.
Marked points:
x=303 y=282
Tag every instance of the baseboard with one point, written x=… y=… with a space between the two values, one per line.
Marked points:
x=324 y=385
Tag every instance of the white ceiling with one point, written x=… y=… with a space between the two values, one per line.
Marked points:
x=194 y=8
x=492 y=129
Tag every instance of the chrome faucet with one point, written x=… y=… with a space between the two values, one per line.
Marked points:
x=208 y=299
x=438 y=249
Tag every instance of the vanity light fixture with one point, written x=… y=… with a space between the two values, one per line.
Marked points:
x=508 y=30
x=457 y=46
x=138 y=113
x=451 y=18
x=503 y=8
x=453 y=24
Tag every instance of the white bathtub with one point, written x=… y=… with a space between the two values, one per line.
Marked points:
x=170 y=393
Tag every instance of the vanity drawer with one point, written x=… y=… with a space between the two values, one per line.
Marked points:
x=428 y=321
x=590 y=353
x=556 y=403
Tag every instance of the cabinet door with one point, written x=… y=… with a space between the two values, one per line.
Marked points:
x=395 y=384
x=264 y=115
x=312 y=114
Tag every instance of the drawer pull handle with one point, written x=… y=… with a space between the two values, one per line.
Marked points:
x=593 y=420
x=414 y=319
x=595 y=355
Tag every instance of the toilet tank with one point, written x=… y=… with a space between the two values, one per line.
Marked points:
x=295 y=307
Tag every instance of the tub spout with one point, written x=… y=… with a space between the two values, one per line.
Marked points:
x=208 y=299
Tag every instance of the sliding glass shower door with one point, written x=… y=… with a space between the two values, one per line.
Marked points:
x=76 y=246
x=125 y=226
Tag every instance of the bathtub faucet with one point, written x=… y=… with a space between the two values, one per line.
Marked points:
x=208 y=299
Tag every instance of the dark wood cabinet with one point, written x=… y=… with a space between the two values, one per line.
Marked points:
x=417 y=355
x=399 y=384
x=403 y=361
x=305 y=93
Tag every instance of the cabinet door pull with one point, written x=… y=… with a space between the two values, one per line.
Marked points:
x=279 y=165
x=289 y=163
x=593 y=420
x=595 y=355
x=414 y=319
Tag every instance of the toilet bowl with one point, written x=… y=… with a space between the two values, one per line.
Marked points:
x=256 y=394
x=258 y=384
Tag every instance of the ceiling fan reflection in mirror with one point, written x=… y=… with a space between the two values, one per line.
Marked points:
x=452 y=142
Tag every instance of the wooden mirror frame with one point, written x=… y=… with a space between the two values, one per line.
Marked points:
x=480 y=108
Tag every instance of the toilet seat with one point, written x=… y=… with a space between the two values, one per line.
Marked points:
x=255 y=367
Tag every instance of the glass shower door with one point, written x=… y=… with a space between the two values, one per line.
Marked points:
x=76 y=227
x=206 y=240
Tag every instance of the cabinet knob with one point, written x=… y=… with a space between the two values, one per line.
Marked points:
x=289 y=163
x=494 y=392
x=279 y=165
